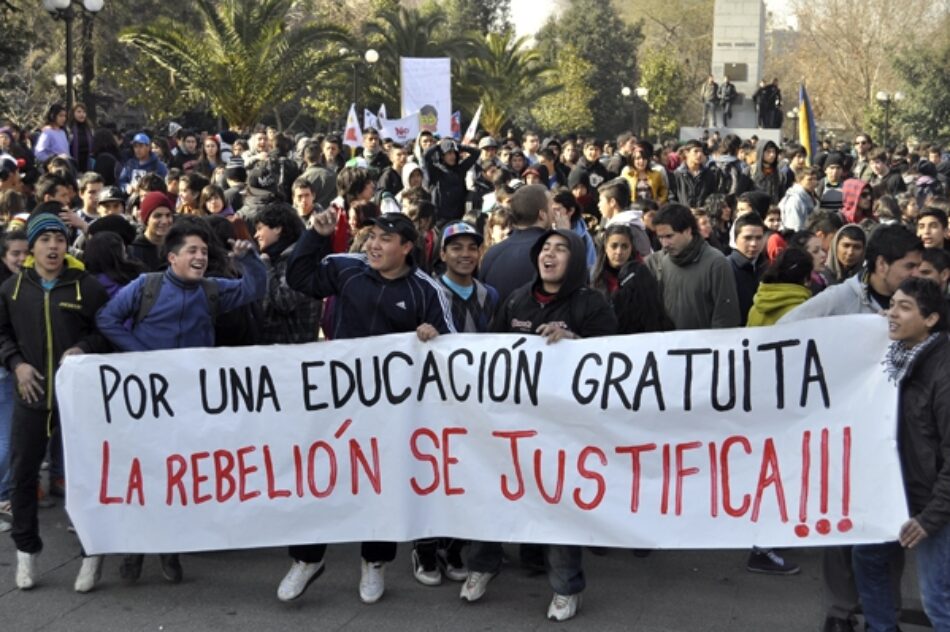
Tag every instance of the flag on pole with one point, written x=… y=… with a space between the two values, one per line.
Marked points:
x=472 y=127
x=352 y=135
x=806 y=123
x=370 y=120
x=382 y=113
x=457 y=126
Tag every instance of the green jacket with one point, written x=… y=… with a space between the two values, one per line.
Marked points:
x=774 y=300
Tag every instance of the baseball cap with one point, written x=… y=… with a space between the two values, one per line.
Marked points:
x=460 y=229
x=487 y=142
x=397 y=223
x=141 y=139
x=111 y=194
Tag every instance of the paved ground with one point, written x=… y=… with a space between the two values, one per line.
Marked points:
x=682 y=591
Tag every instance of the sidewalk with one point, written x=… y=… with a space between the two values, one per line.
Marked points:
x=669 y=591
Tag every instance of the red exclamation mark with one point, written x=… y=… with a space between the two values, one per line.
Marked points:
x=845 y=524
x=823 y=526
x=801 y=530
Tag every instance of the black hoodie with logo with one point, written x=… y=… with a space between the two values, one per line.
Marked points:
x=578 y=308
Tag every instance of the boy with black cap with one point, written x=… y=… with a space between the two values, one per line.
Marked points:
x=379 y=291
x=47 y=312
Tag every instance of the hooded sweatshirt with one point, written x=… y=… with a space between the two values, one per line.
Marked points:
x=767 y=177
x=774 y=300
x=851 y=191
x=576 y=307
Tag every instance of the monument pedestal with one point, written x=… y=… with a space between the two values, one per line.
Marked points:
x=774 y=135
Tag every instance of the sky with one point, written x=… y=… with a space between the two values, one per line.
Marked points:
x=529 y=15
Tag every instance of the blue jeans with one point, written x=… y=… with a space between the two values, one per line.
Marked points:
x=562 y=562
x=933 y=573
x=873 y=576
x=6 y=426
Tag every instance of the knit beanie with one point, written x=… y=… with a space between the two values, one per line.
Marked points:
x=40 y=223
x=152 y=201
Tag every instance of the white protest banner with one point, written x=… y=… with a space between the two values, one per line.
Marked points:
x=775 y=436
x=426 y=87
x=401 y=130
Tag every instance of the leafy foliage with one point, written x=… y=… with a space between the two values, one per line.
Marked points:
x=669 y=83
x=568 y=108
x=511 y=77
x=608 y=44
x=246 y=57
x=925 y=70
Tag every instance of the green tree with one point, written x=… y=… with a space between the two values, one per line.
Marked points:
x=248 y=55
x=510 y=76
x=668 y=81
x=484 y=16
x=925 y=70
x=568 y=108
x=605 y=42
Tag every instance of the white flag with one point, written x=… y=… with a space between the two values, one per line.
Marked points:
x=370 y=120
x=382 y=113
x=472 y=127
x=401 y=130
x=352 y=135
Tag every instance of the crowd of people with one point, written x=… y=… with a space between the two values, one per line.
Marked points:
x=134 y=242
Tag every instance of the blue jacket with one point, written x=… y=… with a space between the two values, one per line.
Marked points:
x=367 y=304
x=181 y=316
x=133 y=170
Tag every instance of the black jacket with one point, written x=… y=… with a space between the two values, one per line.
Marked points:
x=924 y=436
x=447 y=183
x=595 y=171
x=747 y=274
x=770 y=183
x=36 y=326
x=692 y=190
x=141 y=249
x=370 y=305
x=580 y=309
x=506 y=265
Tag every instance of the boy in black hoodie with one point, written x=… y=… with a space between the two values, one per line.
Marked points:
x=557 y=304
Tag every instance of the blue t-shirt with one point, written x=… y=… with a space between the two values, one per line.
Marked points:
x=465 y=291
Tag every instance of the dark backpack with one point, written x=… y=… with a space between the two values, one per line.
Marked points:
x=153 y=285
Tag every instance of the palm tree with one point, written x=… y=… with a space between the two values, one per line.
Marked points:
x=511 y=77
x=246 y=57
x=406 y=32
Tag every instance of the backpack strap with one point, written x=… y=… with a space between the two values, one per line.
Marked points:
x=213 y=296
x=150 y=290
x=153 y=285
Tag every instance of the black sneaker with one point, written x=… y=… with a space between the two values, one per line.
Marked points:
x=131 y=568
x=771 y=563
x=171 y=568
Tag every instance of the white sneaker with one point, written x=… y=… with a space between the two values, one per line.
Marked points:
x=475 y=585
x=372 y=581
x=298 y=578
x=89 y=574
x=423 y=575
x=5 y=526
x=564 y=607
x=25 y=570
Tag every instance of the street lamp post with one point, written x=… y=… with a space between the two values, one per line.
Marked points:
x=370 y=57
x=639 y=94
x=642 y=94
x=63 y=10
x=886 y=99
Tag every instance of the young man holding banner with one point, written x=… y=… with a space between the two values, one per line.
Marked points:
x=179 y=312
x=380 y=291
x=557 y=305
x=919 y=362
x=893 y=255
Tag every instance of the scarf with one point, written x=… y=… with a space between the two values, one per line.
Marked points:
x=900 y=359
x=690 y=253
